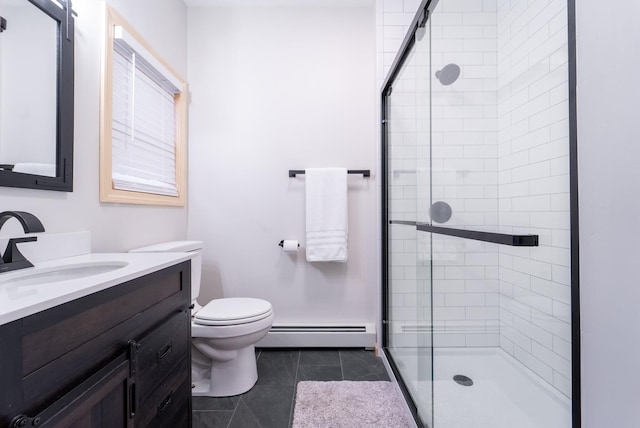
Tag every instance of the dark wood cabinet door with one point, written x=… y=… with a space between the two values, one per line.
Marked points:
x=102 y=401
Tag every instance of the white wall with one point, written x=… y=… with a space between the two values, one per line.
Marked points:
x=274 y=89
x=114 y=227
x=608 y=153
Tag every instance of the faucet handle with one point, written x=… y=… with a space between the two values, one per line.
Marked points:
x=12 y=254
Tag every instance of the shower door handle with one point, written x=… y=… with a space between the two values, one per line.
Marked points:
x=476 y=235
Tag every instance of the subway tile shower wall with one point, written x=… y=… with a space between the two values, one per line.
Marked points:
x=464 y=170
x=498 y=142
x=533 y=177
x=393 y=18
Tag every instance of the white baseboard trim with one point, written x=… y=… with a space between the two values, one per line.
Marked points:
x=325 y=335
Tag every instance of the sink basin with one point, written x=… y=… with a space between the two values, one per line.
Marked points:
x=38 y=276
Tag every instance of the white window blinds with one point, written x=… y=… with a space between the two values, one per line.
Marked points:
x=143 y=120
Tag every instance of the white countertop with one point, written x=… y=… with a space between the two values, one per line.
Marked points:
x=20 y=300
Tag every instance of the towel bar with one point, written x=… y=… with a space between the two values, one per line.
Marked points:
x=364 y=172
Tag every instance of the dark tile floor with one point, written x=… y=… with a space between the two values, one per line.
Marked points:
x=269 y=404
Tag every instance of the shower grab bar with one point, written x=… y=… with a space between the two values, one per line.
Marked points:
x=496 y=238
x=364 y=172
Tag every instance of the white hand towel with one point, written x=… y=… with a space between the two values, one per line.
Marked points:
x=326 y=214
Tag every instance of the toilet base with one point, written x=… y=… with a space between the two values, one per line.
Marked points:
x=231 y=377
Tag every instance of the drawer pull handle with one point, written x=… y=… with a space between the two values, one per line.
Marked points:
x=132 y=400
x=163 y=406
x=166 y=350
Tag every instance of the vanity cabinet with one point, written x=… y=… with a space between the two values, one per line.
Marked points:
x=120 y=357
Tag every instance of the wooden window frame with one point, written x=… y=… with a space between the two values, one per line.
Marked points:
x=107 y=192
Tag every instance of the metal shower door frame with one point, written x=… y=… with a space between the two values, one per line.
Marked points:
x=419 y=20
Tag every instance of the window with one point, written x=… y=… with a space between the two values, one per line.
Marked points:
x=143 y=128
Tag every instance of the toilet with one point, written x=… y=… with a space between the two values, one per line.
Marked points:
x=223 y=332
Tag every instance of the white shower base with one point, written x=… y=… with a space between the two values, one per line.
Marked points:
x=505 y=394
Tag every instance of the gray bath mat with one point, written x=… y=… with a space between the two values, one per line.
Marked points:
x=348 y=404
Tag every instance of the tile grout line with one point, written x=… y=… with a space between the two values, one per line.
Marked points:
x=234 y=412
x=238 y=403
x=341 y=369
x=295 y=384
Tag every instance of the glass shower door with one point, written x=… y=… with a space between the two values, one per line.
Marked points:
x=465 y=198
x=502 y=330
x=480 y=284
x=408 y=157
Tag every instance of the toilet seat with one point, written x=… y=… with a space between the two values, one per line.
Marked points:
x=233 y=311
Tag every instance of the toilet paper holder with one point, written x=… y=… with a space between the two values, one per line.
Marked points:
x=281 y=243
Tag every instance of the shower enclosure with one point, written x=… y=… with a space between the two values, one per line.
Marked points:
x=479 y=226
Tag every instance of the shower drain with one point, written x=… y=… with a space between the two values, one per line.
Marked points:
x=463 y=380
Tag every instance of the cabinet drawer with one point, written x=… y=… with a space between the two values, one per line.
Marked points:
x=159 y=352
x=57 y=331
x=170 y=402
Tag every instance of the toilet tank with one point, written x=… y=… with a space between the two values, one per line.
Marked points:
x=194 y=247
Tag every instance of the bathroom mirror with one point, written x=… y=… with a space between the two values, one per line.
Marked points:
x=36 y=94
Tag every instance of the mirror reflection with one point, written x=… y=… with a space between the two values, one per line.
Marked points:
x=28 y=94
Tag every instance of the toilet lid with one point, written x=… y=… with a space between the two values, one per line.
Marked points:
x=234 y=310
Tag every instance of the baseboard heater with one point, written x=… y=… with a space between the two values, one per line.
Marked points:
x=290 y=335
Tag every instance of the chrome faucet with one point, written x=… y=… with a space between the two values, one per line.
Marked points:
x=13 y=258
